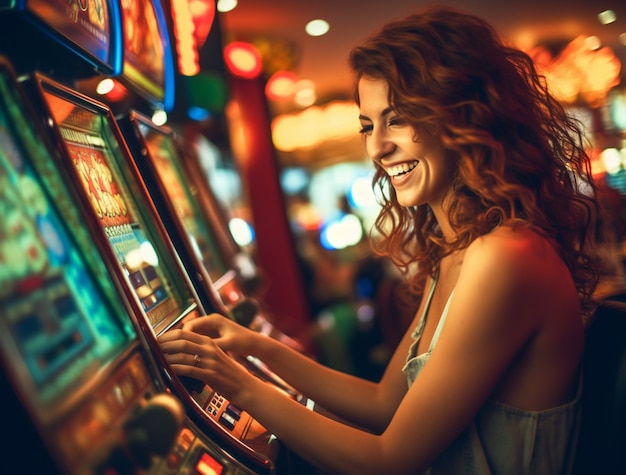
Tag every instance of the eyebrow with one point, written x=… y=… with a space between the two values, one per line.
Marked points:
x=385 y=112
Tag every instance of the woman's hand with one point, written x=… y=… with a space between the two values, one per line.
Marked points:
x=228 y=334
x=196 y=355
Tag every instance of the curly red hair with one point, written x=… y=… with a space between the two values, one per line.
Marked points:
x=520 y=157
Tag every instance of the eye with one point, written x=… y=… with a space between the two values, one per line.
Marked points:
x=366 y=129
x=399 y=121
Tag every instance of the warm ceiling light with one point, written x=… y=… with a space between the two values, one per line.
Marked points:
x=224 y=6
x=317 y=27
x=593 y=43
x=607 y=16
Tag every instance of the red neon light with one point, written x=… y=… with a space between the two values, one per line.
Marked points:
x=243 y=59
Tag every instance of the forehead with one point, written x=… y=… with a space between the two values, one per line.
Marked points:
x=373 y=96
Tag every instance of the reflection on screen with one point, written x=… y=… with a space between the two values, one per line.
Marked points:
x=53 y=311
x=162 y=152
x=90 y=144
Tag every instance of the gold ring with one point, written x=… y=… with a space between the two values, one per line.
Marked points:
x=196 y=360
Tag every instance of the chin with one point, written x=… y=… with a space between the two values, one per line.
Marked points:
x=408 y=202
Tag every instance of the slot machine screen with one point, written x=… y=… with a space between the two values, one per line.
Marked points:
x=97 y=154
x=88 y=29
x=147 y=52
x=59 y=321
x=165 y=160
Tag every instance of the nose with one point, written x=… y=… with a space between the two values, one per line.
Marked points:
x=378 y=145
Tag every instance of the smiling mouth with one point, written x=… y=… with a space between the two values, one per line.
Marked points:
x=402 y=169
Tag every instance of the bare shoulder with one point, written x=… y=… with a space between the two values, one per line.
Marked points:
x=515 y=253
x=520 y=270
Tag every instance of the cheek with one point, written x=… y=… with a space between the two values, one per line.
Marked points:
x=446 y=172
x=367 y=146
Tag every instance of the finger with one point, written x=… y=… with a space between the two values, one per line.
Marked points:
x=186 y=346
x=172 y=335
x=209 y=324
x=188 y=371
x=183 y=359
x=185 y=337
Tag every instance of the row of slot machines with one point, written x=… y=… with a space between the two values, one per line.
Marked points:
x=109 y=237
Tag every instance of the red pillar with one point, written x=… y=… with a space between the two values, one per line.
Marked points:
x=258 y=164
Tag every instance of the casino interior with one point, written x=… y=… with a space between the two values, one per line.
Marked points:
x=164 y=159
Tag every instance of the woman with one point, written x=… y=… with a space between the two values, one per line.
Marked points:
x=486 y=193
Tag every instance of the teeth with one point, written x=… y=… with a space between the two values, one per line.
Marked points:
x=402 y=168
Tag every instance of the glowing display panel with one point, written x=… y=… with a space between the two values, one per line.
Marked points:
x=84 y=22
x=97 y=156
x=163 y=153
x=59 y=317
x=87 y=28
x=147 y=56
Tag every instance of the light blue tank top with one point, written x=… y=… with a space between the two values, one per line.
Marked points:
x=501 y=439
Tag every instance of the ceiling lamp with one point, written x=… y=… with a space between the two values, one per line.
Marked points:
x=225 y=6
x=317 y=27
x=607 y=17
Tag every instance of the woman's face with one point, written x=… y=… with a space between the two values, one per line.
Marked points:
x=419 y=170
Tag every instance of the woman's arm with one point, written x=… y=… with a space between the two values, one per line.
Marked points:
x=364 y=403
x=329 y=444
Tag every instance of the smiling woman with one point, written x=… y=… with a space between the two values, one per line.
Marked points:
x=479 y=171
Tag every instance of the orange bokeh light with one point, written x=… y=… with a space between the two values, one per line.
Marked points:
x=281 y=85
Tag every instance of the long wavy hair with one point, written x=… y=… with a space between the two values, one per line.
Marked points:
x=520 y=157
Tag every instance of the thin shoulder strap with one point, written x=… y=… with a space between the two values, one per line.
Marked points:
x=441 y=323
x=429 y=298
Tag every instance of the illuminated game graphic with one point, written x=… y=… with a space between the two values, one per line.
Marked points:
x=142 y=41
x=92 y=150
x=52 y=312
x=147 y=62
x=132 y=249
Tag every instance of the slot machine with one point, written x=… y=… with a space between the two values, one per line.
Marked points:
x=97 y=160
x=193 y=218
x=155 y=153
x=81 y=393
x=222 y=275
x=218 y=212
x=73 y=40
